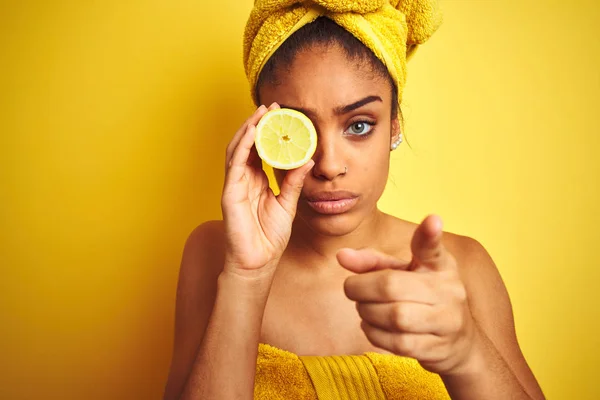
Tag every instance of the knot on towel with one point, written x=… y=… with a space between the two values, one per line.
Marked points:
x=346 y=6
x=333 y=6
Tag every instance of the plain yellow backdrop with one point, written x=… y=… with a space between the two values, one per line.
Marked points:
x=114 y=117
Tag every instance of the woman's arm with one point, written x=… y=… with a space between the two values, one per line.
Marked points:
x=500 y=371
x=226 y=275
x=217 y=323
x=222 y=363
x=447 y=309
x=226 y=362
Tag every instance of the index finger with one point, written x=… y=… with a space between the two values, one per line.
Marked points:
x=252 y=120
x=426 y=245
x=366 y=260
x=389 y=286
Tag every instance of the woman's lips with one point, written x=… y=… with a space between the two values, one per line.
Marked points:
x=332 y=206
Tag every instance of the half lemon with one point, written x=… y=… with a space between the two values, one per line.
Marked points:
x=285 y=138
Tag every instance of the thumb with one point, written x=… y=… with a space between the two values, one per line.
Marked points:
x=291 y=187
x=426 y=244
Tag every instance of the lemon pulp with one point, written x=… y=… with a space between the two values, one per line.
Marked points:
x=285 y=138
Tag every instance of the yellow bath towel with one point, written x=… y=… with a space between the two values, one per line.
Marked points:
x=281 y=375
x=392 y=29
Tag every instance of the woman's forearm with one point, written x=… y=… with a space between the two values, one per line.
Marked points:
x=226 y=361
x=487 y=377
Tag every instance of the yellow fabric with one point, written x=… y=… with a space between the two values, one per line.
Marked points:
x=343 y=378
x=280 y=375
x=392 y=29
x=283 y=375
x=403 y=378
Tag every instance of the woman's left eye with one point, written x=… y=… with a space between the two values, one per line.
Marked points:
x=360 y=128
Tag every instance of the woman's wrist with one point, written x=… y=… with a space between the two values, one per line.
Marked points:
x=474 y=361
x=246 y=283
x=482 y=372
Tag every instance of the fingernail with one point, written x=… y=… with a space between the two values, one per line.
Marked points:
x=439 y=225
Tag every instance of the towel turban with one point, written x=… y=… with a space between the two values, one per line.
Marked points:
x=391 y=29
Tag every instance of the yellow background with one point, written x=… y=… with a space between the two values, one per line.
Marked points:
x=114 y=118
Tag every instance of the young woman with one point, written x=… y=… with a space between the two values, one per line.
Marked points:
x=334 y=298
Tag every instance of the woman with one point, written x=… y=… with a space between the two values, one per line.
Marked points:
x=298 y=279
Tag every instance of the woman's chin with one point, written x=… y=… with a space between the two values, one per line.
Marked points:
x=329 y=225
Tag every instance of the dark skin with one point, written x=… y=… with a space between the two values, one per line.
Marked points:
x=409 y=289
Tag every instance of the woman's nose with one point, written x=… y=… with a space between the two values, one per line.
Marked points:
x=329 y=160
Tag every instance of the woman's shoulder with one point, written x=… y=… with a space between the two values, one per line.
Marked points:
x=469 y=253
x=465 y=249
x=205 y=247
x=208 y=232
x=487 y=293
x=201 y=265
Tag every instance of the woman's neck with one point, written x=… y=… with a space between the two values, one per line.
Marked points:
x=305 y=243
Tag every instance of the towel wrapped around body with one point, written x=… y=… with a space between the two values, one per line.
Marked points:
x=283 y=375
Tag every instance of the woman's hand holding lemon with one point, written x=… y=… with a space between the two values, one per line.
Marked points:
x=258 y=224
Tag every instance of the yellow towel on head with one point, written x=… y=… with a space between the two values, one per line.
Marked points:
x=392 y=29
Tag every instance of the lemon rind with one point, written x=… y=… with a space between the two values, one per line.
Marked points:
x=304 y=120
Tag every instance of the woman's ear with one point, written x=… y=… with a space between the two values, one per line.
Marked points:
x=396 y=131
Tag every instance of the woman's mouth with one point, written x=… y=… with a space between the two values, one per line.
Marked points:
x=332 y=202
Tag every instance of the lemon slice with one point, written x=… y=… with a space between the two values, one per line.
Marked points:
x=285 y=138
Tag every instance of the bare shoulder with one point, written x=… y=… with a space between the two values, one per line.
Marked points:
x=402 y=231
x=206 y=241
x=488 y=297
x=210 y=233
x=490 y=305
x=202 y=259
x=468 y=252
x=201 y=264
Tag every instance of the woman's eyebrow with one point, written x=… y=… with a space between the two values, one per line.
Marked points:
x=341 y=110
x=357 y=104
